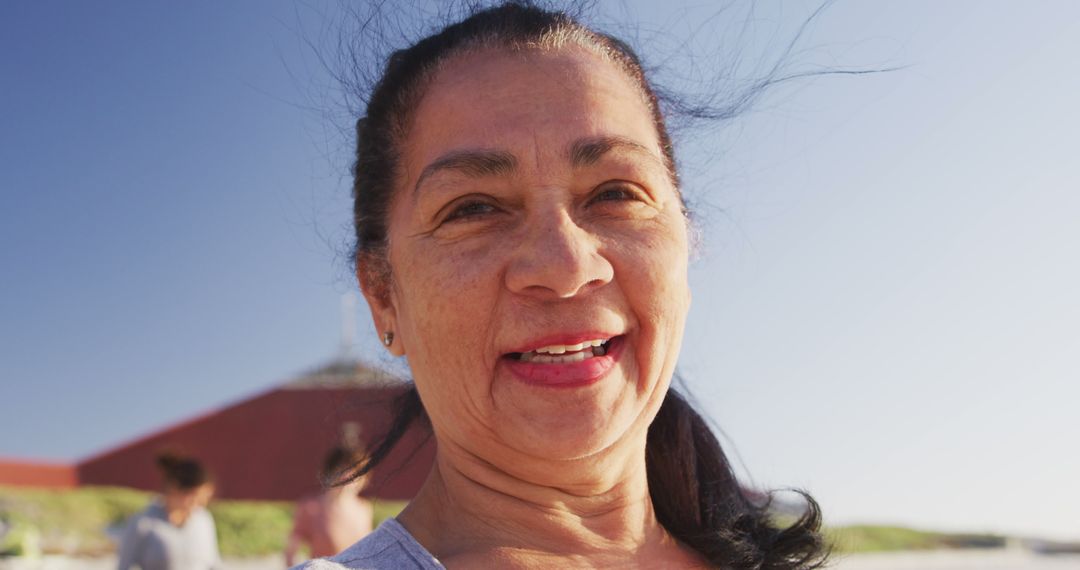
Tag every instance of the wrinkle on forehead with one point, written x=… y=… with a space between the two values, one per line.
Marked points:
x=467 y=80
x=462 y=66
x=581 y=153
x=537 y=154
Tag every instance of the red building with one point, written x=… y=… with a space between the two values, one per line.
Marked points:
x=37 y=474
x=267 y=447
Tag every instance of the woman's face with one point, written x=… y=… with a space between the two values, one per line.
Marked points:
x=187 y=500
x=534 y=215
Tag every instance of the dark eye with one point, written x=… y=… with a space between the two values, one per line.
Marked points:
x=614 y=194
x=470 y=209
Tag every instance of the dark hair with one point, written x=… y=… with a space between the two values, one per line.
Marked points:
x=512 y=25
x=181 y=472
x=338 y=462
x=694 y=492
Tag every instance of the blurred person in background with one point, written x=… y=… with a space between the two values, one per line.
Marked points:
x=331 y=521
x=175 y=531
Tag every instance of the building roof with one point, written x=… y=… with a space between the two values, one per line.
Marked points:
x=344 y=373
x=268 y=445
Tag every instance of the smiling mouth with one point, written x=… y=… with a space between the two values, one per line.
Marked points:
x=563 y=353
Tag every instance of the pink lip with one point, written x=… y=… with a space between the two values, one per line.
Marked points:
x=568 y=375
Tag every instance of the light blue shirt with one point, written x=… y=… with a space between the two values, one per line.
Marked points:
x=151 y=542
x=389 y=547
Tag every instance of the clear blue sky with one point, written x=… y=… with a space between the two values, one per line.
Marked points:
x=886 y=303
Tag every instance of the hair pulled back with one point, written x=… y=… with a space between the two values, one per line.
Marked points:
x=181 y=472
x=338 y=463
x=380 y=132
x=694 y=491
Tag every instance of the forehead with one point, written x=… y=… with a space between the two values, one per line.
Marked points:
x=532 y=102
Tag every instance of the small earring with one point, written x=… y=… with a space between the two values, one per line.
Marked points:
x=388 y=338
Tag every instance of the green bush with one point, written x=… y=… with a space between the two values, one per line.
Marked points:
x=71 y=520
x=20 y=536
x=252 y=528
x=867 y=538
x=870 y=538
x=259 y=528
x=76 y=521
x=387 y=509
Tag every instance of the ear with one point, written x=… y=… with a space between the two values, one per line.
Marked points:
x=375 y=283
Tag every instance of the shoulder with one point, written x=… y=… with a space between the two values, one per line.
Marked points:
x=308 y=507
x=205 y=519
x=202 y=517
x=390 y=546
x=307 y=512
x=308 y=502
x=145 y=519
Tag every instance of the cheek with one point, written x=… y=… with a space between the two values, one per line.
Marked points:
x=654 y=268
x=442 y=291
x=653 y=277
x=447 y=306
x=447 y=302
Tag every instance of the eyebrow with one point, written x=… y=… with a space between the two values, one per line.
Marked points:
x=472 y=163
x=588 y=151
x=478 y=163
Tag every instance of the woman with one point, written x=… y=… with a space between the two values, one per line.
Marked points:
x=522 y=240
x=176 y=532
x=337 y=517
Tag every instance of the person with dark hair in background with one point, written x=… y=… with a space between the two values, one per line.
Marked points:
x=522 y=239
x=176 y=531
x=337 y=517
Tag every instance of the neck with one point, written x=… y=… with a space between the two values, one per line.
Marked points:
x=347 y=492
x=596 y=511
x=177 y=515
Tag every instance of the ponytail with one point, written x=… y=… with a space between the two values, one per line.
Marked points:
x=699 y=501
x=407 y=410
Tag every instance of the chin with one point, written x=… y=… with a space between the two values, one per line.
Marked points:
x=569 y=428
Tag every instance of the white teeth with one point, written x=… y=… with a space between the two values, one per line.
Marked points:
x=565 y=353
x=564 y=348
x=555 y=359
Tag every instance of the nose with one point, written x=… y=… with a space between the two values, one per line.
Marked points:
x=556 y=258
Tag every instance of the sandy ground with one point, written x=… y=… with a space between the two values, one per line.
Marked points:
x=109 y=563
x=956 y=560
x=942 y=560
